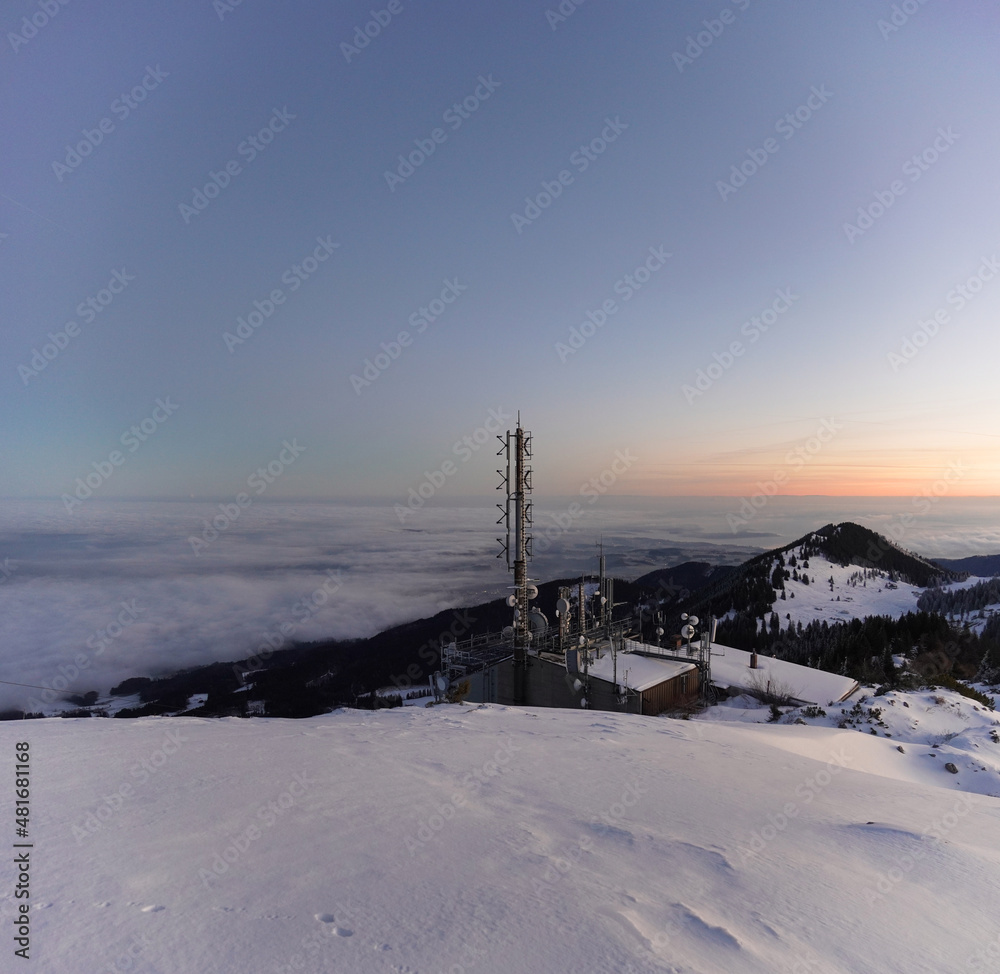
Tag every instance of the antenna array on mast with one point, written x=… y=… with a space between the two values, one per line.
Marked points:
x=515 y=515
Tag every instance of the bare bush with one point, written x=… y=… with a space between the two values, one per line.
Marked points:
x=768 y=690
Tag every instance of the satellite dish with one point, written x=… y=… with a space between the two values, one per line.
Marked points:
x=507 y=632
x=684 y=616
x=562 y=605
x=582 y=641
x=693 y=620
x=532 y=591
x=512 y=600
x=687 y=631
x=659 y=630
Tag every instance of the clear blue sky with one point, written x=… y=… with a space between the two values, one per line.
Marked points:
x=633 y=121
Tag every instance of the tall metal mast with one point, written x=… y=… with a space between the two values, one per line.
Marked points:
x=516 y=517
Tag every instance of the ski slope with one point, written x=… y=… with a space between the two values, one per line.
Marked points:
x=473 y=840
x=849 y=598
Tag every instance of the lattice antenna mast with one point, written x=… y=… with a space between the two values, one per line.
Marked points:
x=516 y=517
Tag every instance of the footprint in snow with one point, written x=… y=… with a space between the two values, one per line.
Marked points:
x=330 y=918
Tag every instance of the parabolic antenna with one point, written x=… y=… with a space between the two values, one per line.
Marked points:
x=512 y=600
x=562 y=605
x=687 y=631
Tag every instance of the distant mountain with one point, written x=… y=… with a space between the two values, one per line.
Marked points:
x=754 y=585
x=984 y=566
x=843 y=598
x=840 y=573
x=683 y=580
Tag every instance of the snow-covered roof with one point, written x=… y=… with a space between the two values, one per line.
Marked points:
x=638 y=672
x=731 y=668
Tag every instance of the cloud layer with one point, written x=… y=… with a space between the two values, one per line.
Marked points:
x=117 y=590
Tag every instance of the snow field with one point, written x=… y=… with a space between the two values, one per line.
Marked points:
x=481 y=839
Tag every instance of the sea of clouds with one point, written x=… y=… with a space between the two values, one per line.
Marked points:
x=119 y=589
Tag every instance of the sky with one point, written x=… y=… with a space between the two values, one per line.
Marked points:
x=327 y=251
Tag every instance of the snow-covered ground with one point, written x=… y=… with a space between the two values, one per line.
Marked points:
x=852 y=597
x=933 y=728
x=473 y=840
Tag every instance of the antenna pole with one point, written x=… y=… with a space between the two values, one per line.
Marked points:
x=517 y=483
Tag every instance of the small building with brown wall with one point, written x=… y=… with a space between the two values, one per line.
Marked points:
x=628 y=682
